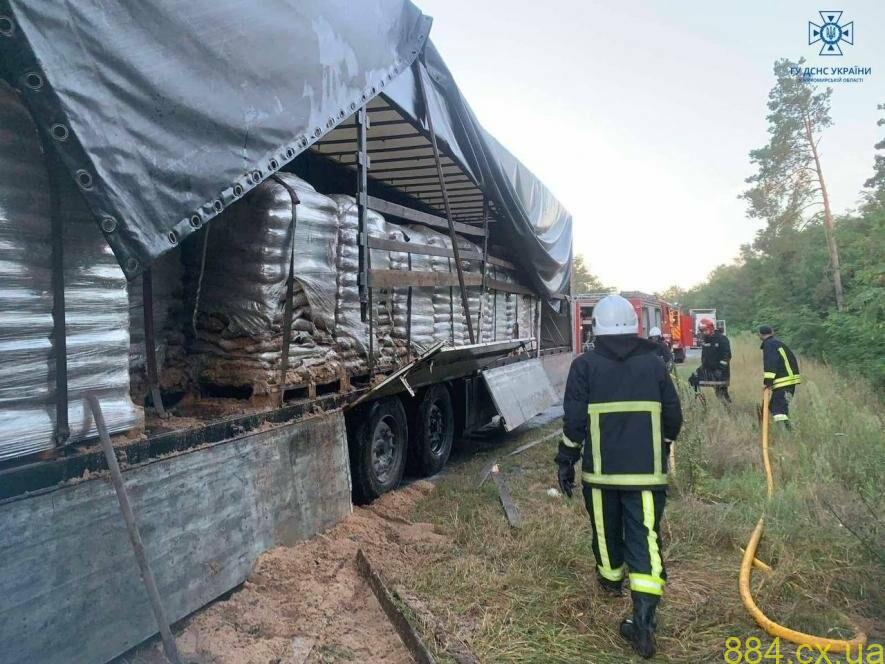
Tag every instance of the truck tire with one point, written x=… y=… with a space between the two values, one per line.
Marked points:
x=378 y=449
x=433 y=432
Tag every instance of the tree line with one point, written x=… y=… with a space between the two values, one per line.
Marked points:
x=817 y=279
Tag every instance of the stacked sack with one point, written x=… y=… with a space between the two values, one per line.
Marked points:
x=97 y=323
x=240 y=295
x=242 y=291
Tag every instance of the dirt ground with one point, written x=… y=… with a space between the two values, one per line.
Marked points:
x=308 y=603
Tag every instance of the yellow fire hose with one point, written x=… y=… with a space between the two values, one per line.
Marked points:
x=771 y=627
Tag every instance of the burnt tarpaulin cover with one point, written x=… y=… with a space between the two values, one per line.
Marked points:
x=535 y=224
x=166 y=112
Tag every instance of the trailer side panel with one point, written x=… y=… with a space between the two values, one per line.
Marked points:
x=69 y=585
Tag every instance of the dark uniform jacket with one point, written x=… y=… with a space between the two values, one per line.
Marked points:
x=664 y=352
x=620 y=407
x=716 y=354
x=780 y=366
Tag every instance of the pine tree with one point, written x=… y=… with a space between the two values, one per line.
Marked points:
x=790 y=181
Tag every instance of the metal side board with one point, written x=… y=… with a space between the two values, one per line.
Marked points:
x=69 y=585
x=520 y=391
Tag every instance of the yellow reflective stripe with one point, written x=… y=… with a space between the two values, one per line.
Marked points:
x=781 y=417
x=599 y=529
x=568 y=443
x=594 y=410
x=786 y=381
x=625 y=407
x=595 y=443
x=787 y=366
x=647 y=479
x=770 y=374
x=648 y=520
x=646 y=583
x=611 y=574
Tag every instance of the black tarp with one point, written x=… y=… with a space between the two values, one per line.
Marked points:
x=167 y=112
x=537 y=226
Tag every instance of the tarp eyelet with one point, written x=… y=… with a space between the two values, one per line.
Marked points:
x=84 y=179
x=273 y=164
x=218 y=205
x=173 y=237
x=108 y=224
x=256 y=176
x=59 y=132
x=7 y=27
x=34 y=80
x=238 y=191
x=131 y=265
x=196 y=221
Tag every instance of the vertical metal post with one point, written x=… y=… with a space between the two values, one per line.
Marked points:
x=150 y=342
x=409 y=317
x=445 y=193
x=485 y=262
x=144 y=567
x=290 y=288
x=495 y=315
x=538 y=315
x=59 y=318
x=362 y=205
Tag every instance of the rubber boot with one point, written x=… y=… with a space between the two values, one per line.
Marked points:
x=639 y=630
x=610 y=587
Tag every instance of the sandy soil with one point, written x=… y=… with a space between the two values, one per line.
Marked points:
x=308 y=603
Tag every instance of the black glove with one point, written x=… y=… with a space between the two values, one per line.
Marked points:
x=565 y=473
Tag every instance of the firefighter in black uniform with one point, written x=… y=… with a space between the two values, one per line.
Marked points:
x=780 y=373
x=622 y=412
x=715 y=360
x=663 y=350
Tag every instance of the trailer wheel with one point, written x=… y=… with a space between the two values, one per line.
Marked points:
x=378 y=449
x=433 y=432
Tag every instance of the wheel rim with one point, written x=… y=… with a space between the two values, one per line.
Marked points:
x=436 y=428
x=384 y=449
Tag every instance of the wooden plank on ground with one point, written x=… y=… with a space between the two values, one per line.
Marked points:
x=510 y=509
x=544 y=439
x=411 y=639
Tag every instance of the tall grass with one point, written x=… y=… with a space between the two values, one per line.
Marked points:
x=530 y=595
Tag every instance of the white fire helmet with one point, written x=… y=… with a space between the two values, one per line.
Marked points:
x=655 y=332
x=614 y=314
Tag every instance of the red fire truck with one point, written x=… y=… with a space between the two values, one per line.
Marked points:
x=651 y=311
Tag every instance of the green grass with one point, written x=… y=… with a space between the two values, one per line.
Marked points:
x=529 y=595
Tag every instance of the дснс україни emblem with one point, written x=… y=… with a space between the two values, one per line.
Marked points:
x=830 y=33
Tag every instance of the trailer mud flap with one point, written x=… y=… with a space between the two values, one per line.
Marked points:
x=520 y=391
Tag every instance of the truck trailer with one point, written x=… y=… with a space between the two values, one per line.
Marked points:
x=277 y=249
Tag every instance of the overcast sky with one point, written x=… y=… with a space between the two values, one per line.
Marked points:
x=639 y=115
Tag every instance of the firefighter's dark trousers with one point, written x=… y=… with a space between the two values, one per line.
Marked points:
x=705 y=375
x=626 y=533
x=780 y=403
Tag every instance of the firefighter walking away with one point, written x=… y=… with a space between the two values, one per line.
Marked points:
x=780 y=372
x=715 y=366
x=622 y=413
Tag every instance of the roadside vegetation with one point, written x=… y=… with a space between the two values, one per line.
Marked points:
x=819 y=280
x=530 y=595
